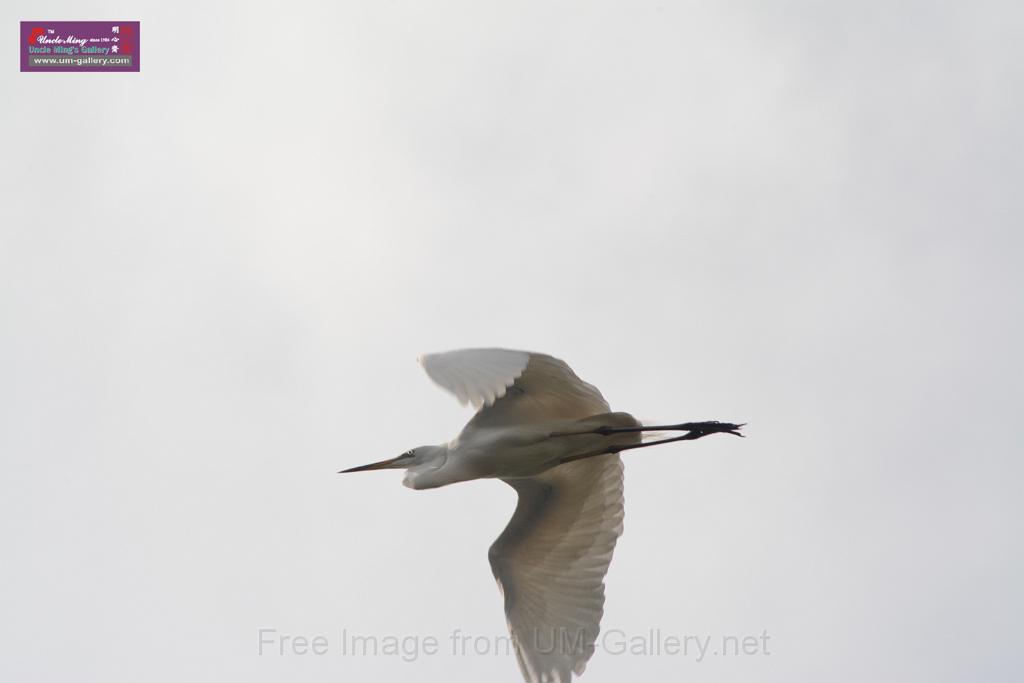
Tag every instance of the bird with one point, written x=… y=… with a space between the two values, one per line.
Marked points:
x=553 y=438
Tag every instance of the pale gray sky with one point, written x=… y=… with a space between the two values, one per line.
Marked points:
x=217 y=274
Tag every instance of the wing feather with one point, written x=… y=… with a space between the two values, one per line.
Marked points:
x=510 y=387
x=477 y=376
x=551 y=560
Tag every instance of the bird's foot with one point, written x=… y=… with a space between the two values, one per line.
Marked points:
x=712 y=427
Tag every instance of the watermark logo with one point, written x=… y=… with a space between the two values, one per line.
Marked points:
x=79 y=46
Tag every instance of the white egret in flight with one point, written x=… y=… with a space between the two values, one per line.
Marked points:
x=551 y=437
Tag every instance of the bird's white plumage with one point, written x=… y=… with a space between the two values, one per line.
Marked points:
x=477 y=376
x=513 y=387
x=551 y=559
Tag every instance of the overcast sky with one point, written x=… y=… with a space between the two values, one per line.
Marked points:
x=217 y=275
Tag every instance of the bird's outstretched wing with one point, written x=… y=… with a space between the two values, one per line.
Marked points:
x=511 y=387
x=551 y=560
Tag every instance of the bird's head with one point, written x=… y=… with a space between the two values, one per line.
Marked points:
x=417 y=461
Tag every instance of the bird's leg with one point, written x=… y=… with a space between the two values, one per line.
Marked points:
x=695 y=430
x=703 y=428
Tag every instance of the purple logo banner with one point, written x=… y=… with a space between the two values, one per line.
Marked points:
x=79 y=46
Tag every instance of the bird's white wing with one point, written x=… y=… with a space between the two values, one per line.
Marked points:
x=551 y=560
x=513 y=386
x=477 y=376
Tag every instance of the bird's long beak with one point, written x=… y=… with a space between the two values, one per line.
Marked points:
x=393 y=463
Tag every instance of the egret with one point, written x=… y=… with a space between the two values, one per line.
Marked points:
x=553 y=438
